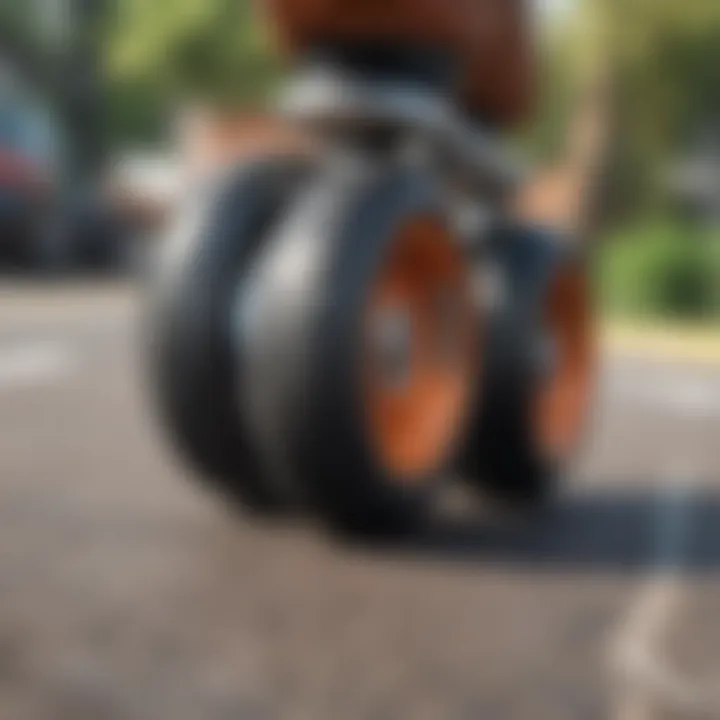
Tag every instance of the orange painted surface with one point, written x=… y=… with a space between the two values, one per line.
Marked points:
x=490 y=40
x=414 y=418
x=564 y=400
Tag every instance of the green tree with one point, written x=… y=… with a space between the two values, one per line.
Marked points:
x=212 y=50
x=663 y=61
x=667 y=71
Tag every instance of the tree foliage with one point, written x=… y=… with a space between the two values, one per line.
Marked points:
x=667 y=70
x=663 y=60
x=213 y=50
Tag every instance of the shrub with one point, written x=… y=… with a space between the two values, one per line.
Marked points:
x=664 y=269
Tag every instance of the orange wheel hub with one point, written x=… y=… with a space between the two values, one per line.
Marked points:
x=564 y=397
x=420 y=350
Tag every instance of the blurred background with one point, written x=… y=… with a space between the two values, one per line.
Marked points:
x=126 y=593
x=115 y=99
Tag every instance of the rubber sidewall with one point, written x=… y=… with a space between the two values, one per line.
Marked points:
x=310 y=293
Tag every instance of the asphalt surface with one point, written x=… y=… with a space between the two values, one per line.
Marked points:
x=129 y=592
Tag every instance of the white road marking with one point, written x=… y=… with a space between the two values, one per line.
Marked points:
x=34 y=363
x=646 y=682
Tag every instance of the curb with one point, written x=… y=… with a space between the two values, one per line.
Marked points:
x=697 y=346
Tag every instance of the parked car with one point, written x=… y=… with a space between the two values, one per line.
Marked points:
x=48 y=221
x=28 y=163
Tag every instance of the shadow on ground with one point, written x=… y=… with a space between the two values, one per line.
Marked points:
x=603 y=532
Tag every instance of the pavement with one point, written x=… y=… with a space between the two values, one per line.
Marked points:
x=128 y=592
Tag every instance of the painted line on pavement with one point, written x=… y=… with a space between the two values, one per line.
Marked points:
x=646 y=682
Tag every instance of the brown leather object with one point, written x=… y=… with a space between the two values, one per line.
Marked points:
x=490 y=39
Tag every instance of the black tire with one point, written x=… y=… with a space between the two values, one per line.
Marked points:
x=304 y=345
x=194 y=374
x=503 y=457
